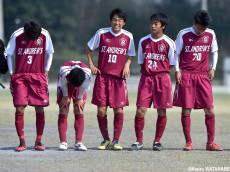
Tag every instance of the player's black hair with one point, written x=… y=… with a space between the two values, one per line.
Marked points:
x=76 y=77
x=120 y=13
x=32 y=29
x=161 y=17
x=203 y=18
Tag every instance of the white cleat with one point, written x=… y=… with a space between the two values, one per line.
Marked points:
x=80 y=147
x=63 y=146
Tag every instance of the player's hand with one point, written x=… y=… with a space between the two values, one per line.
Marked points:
x=95 y=70
x=64 y=102
x=211 y=74
x=126 y=72
x=178 y=77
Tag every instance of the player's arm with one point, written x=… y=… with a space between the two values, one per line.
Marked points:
x=179 y=45
x=10 y=63
x=10 y=49
x=89 y=53
x=171 y=55
x=214 y=57
x=65 y=99
x=126 y=70
x=49 y=58
x=80 y=103
x=131 y=53
x=64 y=87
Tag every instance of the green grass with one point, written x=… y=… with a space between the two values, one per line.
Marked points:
x=7 y=110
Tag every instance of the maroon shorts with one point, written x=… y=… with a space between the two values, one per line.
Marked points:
x=110 y=91
x=29 y=89
x=195 y=92
x=155 y=89
x=72 y=94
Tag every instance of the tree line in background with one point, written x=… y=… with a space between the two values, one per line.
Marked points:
x=72 y=23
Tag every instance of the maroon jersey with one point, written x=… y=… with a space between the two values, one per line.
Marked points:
x=113 y=50
x=193 y=49
x=156 y=55
x=30 y=54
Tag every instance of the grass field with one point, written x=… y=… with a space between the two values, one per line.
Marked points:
x=172 y=158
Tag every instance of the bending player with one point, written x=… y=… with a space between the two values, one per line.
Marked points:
x=73 y=82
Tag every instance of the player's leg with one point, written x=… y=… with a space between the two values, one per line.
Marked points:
x=38 y=97
x=19 y=91
x=99 y=98
x=103 y=126
x=162 y=100
x=160 y=127
x=78 y=107
x=40 y=124
x=19 y=124
x=139 y=123
x=62 y=119
x=117 y=128
x=210 y=125
x=117 y=99
x=204 y=99
x=186 y=125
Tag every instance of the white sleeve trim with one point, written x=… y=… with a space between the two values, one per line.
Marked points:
x=214 y=57
x=49 y=58
x=64 y=89
x=84 y=87
x=10 y=63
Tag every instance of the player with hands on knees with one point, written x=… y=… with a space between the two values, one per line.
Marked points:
x=73 y=83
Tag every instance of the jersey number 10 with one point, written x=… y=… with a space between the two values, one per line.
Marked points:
x=112 y=58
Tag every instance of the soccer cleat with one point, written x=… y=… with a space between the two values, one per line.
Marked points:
x=80 y=147
x=157 y=146
x=104 y=145
x=213 y=147
x=188 y=146
x=21 y=148
x=63 y=146
x=115 y=146
x=136 y=146
x=39 y=146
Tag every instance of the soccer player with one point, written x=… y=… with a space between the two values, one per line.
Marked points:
x=115 y=53
x=194 y=47
x=73 y=82
x=156 y=57
x=33 y=51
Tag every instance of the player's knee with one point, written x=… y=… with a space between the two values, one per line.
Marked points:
x=39 y=109
x=140 y=112
x=209 y=111
x=20 y=109
x=101 y=111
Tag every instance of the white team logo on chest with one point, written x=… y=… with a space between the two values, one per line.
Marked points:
x=205 y=39
x=39 y=41
x=161 y=48
x=123 y=41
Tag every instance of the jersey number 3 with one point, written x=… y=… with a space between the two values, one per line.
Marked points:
x=30 y=58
